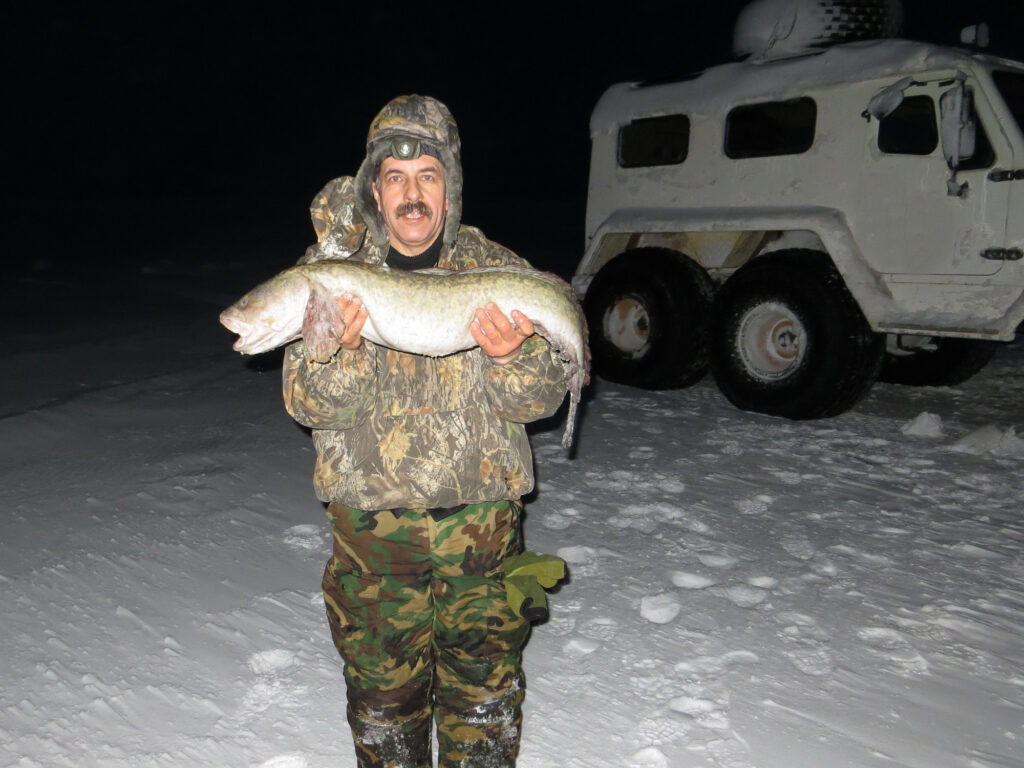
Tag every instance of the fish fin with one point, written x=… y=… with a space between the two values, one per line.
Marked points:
x=320 y=327
x=574 y=381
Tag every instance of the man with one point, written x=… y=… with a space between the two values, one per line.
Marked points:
x=423 y=461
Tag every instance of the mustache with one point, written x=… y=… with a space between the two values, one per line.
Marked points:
x=415 y=206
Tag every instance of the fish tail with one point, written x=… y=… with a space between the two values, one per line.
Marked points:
x=570 y=423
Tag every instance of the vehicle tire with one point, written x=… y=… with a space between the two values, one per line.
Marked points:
x=788 y=339
x=647 y=313
x=946 y=363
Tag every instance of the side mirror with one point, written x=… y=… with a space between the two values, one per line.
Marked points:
x=957 y=128
x=976 y=35
x=956 y=121
x=887 y=100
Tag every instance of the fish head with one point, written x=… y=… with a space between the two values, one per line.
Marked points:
x=269 y=315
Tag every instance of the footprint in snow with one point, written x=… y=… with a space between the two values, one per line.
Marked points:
x=894 y=647
x=642 y=452
x=285 y=761
x=556 y=522
x=558 y=624
x=703 y=667
x=568 y=605
x=801 y=625
x=636 y=517
x=553 y=454
x=730 y=752
x=577 y=647
x=648 y=757
x=966 y=550
x=601 y=628
x=756 y=505
x=798 y=546
x=563 y=617
x=658 y=731
x=811 y=660
x=653 y=684
x=577 y=555
x=717 y=561
x=260 y=696
x=271 y=662
x=694 y=706
x=805 y=641
x=705 y=712
x=660 y=608
x=311 y=538
x=560 y=519
x=788 y=478
x=691 y=580
x=582 y=561
x=269 y=690
x=669 y=485
x=745 y=595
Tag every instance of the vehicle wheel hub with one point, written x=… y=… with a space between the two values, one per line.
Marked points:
x=627 y=326
x=771 y=341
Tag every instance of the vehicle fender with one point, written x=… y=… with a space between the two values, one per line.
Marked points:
x=828 y=224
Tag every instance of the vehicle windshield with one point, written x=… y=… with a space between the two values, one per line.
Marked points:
x=1011 y=87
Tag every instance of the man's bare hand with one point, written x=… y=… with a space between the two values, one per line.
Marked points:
x=353 y=316
x=498 y=336
x=331 y=324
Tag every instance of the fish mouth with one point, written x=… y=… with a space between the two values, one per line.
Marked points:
x=253 y=338
x=236 y=324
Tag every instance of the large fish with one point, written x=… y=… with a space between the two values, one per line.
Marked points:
x=426 y=312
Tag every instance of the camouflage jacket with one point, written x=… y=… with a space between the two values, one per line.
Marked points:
x=398 y=430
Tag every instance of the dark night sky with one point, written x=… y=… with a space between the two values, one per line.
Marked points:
x=119 y=116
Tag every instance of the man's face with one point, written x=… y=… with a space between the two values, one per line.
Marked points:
x=411 y=196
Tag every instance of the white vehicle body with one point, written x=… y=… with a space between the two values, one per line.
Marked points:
x=924 y=225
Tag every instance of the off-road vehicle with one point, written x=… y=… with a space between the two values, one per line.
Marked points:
x=807 y=220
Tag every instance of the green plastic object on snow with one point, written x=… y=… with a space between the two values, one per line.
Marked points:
x=526 y=577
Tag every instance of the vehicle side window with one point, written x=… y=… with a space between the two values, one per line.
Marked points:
x=654 y=141
x=771 y=128
x=910 y=129
x=1011 y=87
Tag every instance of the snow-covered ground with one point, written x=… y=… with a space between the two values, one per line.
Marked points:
x=745 y=591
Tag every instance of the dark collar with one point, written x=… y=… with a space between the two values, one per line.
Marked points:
x=425 y=260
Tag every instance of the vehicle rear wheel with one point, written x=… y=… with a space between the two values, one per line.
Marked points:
x=937 y=362
x=788 y=339
x=647 y=312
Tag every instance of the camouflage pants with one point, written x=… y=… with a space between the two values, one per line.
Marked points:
x=417 y=610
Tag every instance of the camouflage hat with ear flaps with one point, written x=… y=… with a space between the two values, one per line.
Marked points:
x=427 y=127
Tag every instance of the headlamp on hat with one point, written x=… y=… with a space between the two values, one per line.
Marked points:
x=405 y=149
x=408 y=148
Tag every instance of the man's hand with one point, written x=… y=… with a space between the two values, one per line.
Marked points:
x=332 y=324
x=498 y=336
x=353 y=316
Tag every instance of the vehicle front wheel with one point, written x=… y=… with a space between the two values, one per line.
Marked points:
x=788 y=339
x=647 y=313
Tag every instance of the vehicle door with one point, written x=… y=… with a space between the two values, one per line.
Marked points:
x=920 y=217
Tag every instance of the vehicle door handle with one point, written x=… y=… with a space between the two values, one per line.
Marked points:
x=1003 y=174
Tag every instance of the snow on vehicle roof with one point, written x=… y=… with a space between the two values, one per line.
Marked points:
x=723 y=86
